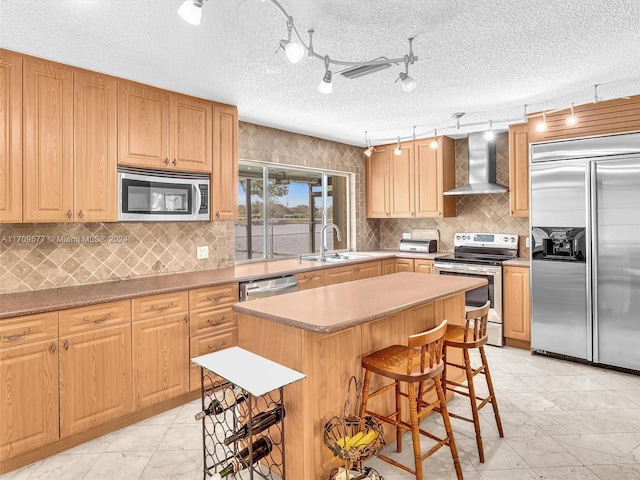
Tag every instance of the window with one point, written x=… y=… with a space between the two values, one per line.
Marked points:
x=286 y=218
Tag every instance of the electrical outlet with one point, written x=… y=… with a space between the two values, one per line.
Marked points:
x=527 y=242
x=202 y=252
x=406 y=235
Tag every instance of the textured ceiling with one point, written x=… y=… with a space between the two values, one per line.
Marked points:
x=487 y=58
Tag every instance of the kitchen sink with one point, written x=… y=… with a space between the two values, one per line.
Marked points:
x=335 y=257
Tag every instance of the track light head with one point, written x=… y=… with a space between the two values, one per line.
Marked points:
x=490 y=135
x=408 y=83
x=369 y=151
x=191 y=11
x=398 y=150
x=542 y=126
x=571 y=120
x=433 y=145
x=326 y=85
x=293 y=51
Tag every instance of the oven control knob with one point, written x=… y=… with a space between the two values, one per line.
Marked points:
x=457 y=237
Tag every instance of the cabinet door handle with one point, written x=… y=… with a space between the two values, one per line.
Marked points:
x=218 y=346
x=98 y=320
x=18 y=336
x=69 y=213
x=166 y=161
x=66 y=344
x=217 y=214
x=217 y=322
x=161 y=309
x=175 y=162
x=81 y=214
x=53 y=347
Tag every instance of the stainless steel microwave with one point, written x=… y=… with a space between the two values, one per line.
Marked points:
x=158 y=196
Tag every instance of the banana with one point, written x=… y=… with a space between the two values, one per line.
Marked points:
x=343 y=441
x=367 y=439
x=353 y=440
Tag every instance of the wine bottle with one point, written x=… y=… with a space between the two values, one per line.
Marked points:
x=261 y=448
x=259 y=423
x=223 y=400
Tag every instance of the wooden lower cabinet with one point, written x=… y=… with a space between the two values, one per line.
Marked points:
x=213 y=325
x=160 y=339
x=423 y=266
x=95 y=365
x=29 y=393
x=404 y=265
x=349 y=273
x=309 y=280
x=516 y=305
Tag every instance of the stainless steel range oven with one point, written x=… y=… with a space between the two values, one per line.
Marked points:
x=481 y=255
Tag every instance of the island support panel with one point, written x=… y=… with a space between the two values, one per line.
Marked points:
x=329 y=360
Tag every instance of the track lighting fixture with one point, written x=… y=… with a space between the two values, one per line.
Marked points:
x=369 y=149
x=542 y=126
x=571 y=120
x=408 y=83
x=191 y=11
x=434 y=143
x=326 y=84
x=292 y=50
x=398 y=150
x=490 y=135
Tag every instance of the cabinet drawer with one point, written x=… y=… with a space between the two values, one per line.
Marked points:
x=213 y=296
x=96 y=316
x=32 y=328
x=212 y=343
x=210 y=321
x=209 y=344
x=159 y=305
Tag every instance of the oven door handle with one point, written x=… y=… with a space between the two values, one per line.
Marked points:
x=482 y=270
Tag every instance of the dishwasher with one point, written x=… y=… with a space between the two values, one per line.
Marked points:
x=268 y=287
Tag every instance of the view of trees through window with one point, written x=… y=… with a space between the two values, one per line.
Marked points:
x=285 y=218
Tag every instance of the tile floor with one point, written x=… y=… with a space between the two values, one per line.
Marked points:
x=561 y=421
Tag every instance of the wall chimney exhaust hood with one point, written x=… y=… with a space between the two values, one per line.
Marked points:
x=482 y=168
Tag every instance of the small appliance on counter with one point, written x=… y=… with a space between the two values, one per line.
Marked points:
x=418 y=246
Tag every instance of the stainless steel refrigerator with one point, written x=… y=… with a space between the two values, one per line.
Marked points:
x=585 y=249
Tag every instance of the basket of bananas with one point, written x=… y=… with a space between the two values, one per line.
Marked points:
x=352 y=438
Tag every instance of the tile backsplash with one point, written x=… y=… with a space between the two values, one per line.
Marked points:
x=66 y=254
x=49 y=255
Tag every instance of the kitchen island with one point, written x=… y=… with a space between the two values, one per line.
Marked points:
x=324 y=332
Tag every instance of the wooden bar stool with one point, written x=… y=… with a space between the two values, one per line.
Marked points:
x=417 y=367
x=472 y=335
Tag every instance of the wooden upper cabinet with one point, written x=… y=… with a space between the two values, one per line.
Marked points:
x=402 y=182
x=48 y=142
x=159 y=129
x=224 y=181
x=435 y=173
x=411 y=184
x=519 y=170
x=11 y=137
x=377 y=182
x=143 y=126
x=95 y=147
x=191 y=133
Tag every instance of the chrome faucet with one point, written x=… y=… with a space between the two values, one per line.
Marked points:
x=323 y=245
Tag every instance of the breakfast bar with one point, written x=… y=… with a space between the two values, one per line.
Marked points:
x=324 y=332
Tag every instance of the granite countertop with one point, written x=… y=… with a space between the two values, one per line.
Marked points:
x=41 y=301
x=52 y=299
x=517 y=262
x=337 y=307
